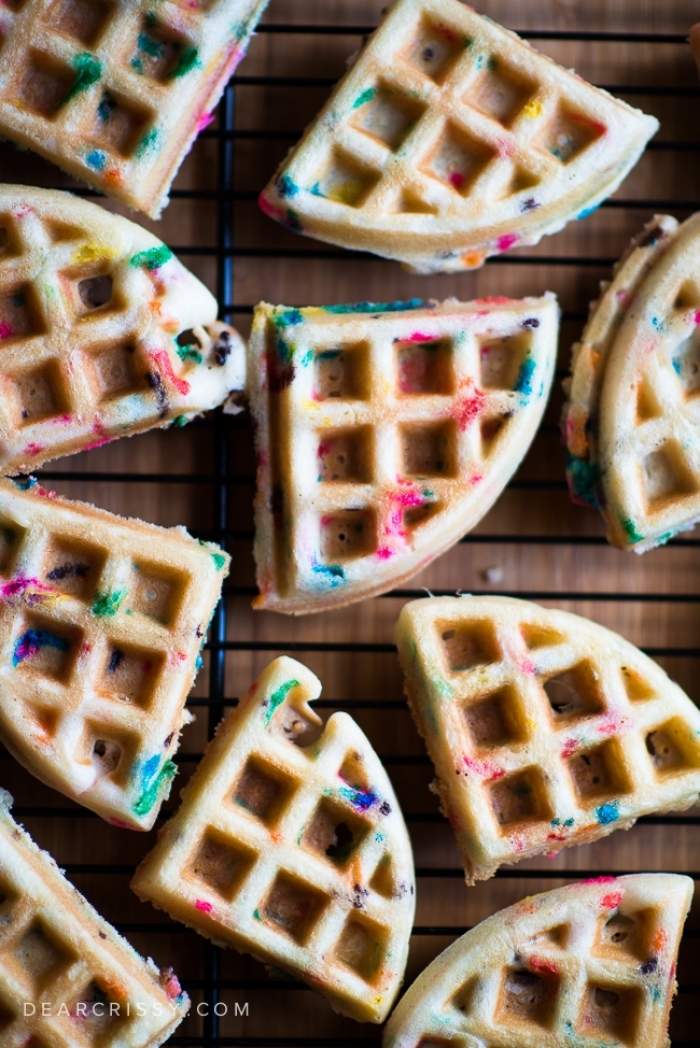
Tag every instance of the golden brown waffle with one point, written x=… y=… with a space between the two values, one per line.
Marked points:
x=115 y=91
x=450 y=140
x=545 y=729
x=67 y=978
x=103 y=333
x=293 y=848
x=384 y=433
x=592 y=965
x=101 y=620
x=632 y=423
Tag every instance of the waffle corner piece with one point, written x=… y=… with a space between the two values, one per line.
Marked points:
x=103 y=332
x=589 y=964
x=451 y=140
x=115 y=93
x=295 y=852
x=630 y=422
x=67 y=978
x=545 y=729
x=102 y=620
x=384 y=433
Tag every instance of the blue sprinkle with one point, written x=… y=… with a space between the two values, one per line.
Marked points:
x=287 y=186
x=96 y=160
x=362 y=801
x=33 y=641
x=381 y=307
x=199 y=663
x=331 y=574
x=586 y=212
x=523 y=383
x=607 y=813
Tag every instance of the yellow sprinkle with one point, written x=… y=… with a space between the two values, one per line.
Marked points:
x=309 y=405
x=533 y=108
x=93 y=253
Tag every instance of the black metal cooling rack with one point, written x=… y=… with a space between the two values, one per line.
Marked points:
x=221 y=482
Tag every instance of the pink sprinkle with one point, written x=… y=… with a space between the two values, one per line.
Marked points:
x=697 y=318
x=22 y=211
x=484 y=769
x=456 y=179
x=384 y=553
x=611 y=901
x=34 y=449
x=323 y=448
x=172 y=987
x=569 y=747
x=552 y=855
x=204 y=121
x=20 y=584
x=119 y=823
x=271 y=210
x=205 y=907
x=61 y=420
x=600 y=880
x=623 y=297
x=419 y=336
x=5 y=330
x=506 y=242
x=163 y=360
x=98 y=443
x=468 y=409
x=539 y=964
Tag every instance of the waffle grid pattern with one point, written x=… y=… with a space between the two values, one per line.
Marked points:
x=595 y=967
x=378 y=468
x=554 y=730
x=92 y=634
x=55 y=952
x=114 y=89
x=293 y=854
x=451 y=120
x=651 y=471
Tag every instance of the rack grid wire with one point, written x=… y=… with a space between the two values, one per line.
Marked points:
x=533 y=545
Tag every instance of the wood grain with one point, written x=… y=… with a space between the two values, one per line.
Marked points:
x=543 y=545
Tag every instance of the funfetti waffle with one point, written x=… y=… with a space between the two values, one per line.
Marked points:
x=293 y=848
x=545 y=729
x=384 y=433
x=115 y=91
x=632 y=424
x=67 y=978
x=102 y=620
x=589 y=965
x=449 y=140
x=103 y=332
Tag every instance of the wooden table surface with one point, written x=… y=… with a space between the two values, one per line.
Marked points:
x=544 y=547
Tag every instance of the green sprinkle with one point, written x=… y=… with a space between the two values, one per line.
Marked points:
x=89 y=71
x=149 y=797
x=188 y=60
x=278 y=697
x=152 y=259
x=150 y=46
x=630 y=529
x=219 y=560
x=148 y=142
x=180 y=420
x=189 y=353
x=108 y=603
x=365 y=97
x=256 y=914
